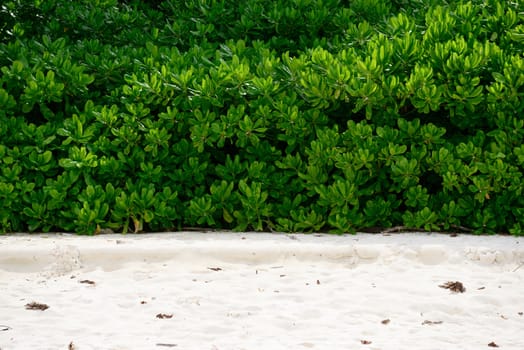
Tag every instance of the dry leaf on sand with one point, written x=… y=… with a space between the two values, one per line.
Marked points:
x=456 y=286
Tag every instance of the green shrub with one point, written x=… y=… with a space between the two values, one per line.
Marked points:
x=296 y=115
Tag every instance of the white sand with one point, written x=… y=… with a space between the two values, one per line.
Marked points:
x=271 y=292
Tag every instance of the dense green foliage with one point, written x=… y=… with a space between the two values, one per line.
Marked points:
x=287 y=115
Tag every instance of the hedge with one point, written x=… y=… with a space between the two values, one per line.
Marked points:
x=287 y=115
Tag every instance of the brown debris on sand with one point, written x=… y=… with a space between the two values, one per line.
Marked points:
x=36 y=306
x=456 y=286
x=87 y=282
x=428 y=322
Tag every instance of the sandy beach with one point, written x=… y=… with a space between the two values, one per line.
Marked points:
x=261 y=291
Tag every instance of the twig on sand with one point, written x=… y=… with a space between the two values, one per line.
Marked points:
x=462 y=228
x=407 y=228
x=398 y=229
